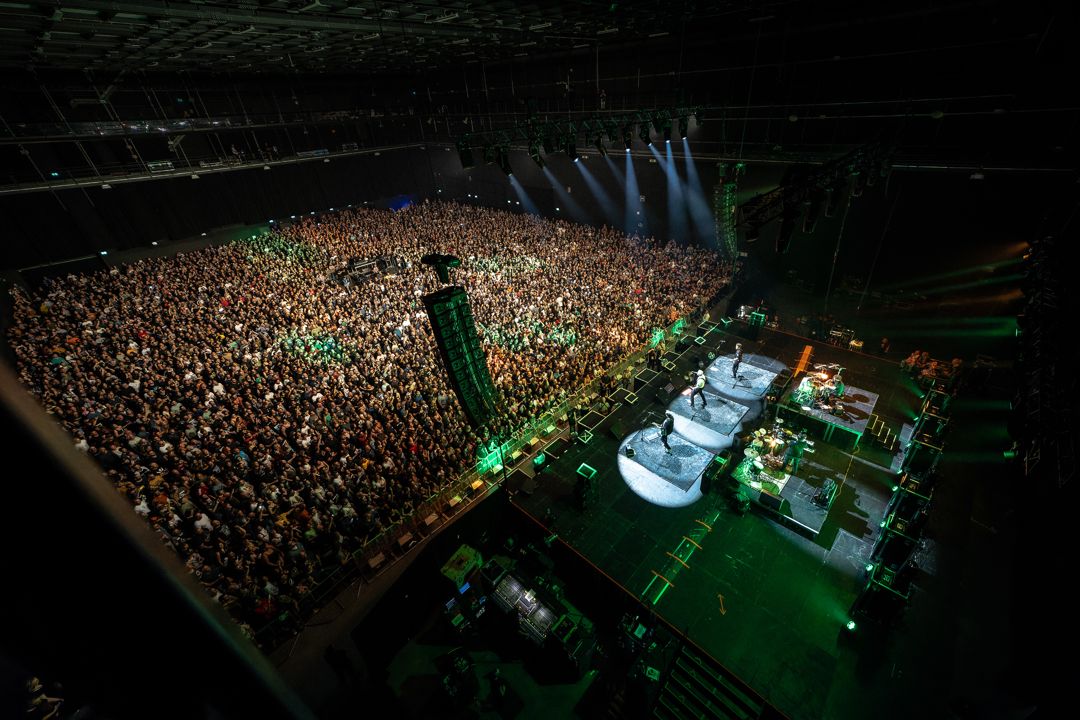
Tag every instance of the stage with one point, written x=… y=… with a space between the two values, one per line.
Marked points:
x=856 y=406
x=662 y=478
x=710 y=426
x=767 y=593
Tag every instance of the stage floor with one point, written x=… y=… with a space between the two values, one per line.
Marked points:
x=764 y=599
x=711 y=426
x=665 y=479
x=858 y=405
x=756 y=373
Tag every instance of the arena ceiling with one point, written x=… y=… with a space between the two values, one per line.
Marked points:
x=332 y=35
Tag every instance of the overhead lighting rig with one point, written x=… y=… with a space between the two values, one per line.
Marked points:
x=823 y=184
x=546 y=138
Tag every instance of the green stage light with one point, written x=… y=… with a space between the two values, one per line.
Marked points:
x=851 y=625
x=869 y=567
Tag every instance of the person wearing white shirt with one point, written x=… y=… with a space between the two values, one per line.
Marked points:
x=698 y=389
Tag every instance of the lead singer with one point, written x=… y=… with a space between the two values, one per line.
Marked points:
x=698 y=389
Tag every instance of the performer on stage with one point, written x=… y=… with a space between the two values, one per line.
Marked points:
x=698 y=389
x=735 y=363
x=666 y=429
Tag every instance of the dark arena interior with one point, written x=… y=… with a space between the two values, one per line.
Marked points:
x=649 y=360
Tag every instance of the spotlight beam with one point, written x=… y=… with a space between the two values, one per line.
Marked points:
x=565 y=201
x=610 y=213
x=636 y=223
x=700 y=215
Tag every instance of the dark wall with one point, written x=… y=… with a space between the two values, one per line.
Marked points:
x=941 y=223
x=48 y=227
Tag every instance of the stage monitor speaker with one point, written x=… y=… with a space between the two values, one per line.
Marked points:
x=685 y=341
x=664 y=394
x=618 y=429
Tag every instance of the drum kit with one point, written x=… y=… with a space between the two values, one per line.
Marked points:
x=766 y=449
x=823 y=387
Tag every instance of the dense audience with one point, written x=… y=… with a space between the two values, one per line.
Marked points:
x=267 y=419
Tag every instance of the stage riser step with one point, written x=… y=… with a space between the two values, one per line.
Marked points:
x=717 y=677
x=664 y=711
x=705 y=706
x=714 y=693
x=709 y=705
x=687 y=706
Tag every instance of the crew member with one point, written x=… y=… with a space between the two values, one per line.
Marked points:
x=735 y=363
x=666 y=428
x=572 y=417
x=699 y=388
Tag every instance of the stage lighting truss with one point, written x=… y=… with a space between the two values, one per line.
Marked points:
x=545 y=138
x=822 y=186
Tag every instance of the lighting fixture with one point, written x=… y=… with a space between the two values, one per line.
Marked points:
x=534 y=153
x=465 y=153
x=570 y=143
x=504 y=159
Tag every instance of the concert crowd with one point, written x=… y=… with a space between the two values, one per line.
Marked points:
x=266 y=418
